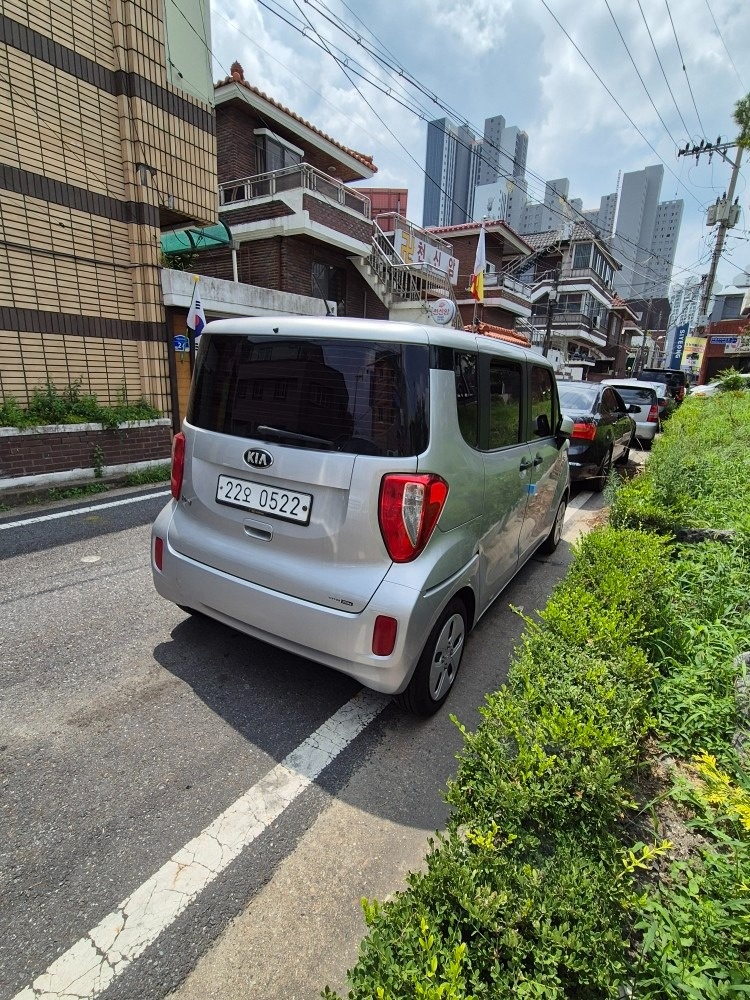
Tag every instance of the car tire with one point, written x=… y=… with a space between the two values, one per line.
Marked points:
x=436 y=671
x=600 y=480
x=552 y=540
x=646 y=444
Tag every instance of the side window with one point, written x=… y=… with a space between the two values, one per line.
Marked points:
x=610 y=402
x=505 y=403
x=543 y=417
x=465 y=367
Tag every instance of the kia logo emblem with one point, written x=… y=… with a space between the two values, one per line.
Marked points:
x=258 y=459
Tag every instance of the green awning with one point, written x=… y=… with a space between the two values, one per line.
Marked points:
x=193 y=240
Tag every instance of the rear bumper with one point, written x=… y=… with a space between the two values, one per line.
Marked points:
x=645 y=431
x=337 y=639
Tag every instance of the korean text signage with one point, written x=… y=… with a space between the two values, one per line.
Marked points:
x=680 y=336
x=417 y=251
x=443 y=311
x=692 y=355
x=741 y=345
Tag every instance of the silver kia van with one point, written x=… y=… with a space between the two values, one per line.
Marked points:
x=359 y=492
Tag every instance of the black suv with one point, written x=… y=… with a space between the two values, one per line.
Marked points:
x=675 y=380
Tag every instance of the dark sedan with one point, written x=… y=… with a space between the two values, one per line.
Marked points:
x=602 y=429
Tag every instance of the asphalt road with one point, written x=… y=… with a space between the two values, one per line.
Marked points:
x=128 y=728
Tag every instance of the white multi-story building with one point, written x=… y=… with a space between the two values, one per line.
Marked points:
x=684 y=301
x=552 y=213
x=646 y=235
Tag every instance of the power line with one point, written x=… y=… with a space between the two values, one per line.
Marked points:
x=729 y=54
x=661 y=67
x=439 y=103
x=684 y=67
x=643 y=83
x=640 y=133
x=403 y=73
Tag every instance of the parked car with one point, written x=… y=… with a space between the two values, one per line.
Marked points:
x=675 y=380
x=711 y=388
x=602 y=429
x=649 y=399
x=359 y=492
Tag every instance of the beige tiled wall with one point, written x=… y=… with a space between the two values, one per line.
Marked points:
x=58 y=259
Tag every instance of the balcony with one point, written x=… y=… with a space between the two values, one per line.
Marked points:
x=297 y=200
x=569 y=325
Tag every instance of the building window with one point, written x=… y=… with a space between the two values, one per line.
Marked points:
x=329 y=283
x=274 y=153
x=582 y=256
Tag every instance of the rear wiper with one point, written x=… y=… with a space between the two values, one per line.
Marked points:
x=279 y=434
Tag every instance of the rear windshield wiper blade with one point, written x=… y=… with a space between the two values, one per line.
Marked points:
x=279 y=434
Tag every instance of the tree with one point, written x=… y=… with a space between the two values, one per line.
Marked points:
x=742 y=117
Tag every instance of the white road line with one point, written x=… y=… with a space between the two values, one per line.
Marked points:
x=82 y=510
x=580 y=501
x=88 y=968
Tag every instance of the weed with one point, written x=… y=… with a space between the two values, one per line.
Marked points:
x=154 y=474
x=97 y=461
x=75 y=492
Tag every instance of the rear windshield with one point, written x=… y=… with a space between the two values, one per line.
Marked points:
x=668 y=375
x=577 y=397
x=643 y=397
x=332 y=395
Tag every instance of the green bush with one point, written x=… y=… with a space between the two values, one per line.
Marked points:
x=536 y=889
x=70 y=405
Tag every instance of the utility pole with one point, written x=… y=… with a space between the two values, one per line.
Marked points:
x=723 y=213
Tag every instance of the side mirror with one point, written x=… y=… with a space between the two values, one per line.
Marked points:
x=633 y=408
x=564 y=431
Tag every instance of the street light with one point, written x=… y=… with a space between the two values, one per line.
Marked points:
x=551 y=299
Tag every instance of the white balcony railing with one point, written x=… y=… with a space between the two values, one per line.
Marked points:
x=304 y=177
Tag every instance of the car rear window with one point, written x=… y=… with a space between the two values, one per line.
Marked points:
x=577 y=397
x=643 y=397
x=333 y=395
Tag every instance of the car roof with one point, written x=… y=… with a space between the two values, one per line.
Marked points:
x=350 y=328
x=634 y=383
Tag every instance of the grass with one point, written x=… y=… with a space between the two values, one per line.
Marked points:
x=154 y=474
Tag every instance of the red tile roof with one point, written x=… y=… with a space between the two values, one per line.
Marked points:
x=468 y=228
x=500 y=333
x=238 y=76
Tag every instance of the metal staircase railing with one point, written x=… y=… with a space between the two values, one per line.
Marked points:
x=408 y=282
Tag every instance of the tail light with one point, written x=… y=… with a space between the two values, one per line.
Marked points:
x=158 y=553
x=178 y=464
x=586 y=431
x=653 y=414
x=408 y=510
x=384 y=635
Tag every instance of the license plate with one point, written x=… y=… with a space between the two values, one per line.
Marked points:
x=264 y=499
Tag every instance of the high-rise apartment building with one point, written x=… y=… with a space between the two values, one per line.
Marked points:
x=603 y=218
x=552 y=213
x=468 y=178
x=450 y=173
x=685 y=300
x=646 y=235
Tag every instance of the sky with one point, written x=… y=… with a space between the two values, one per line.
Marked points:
x=590 y=112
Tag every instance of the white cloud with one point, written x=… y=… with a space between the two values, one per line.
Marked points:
x=509 y=57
